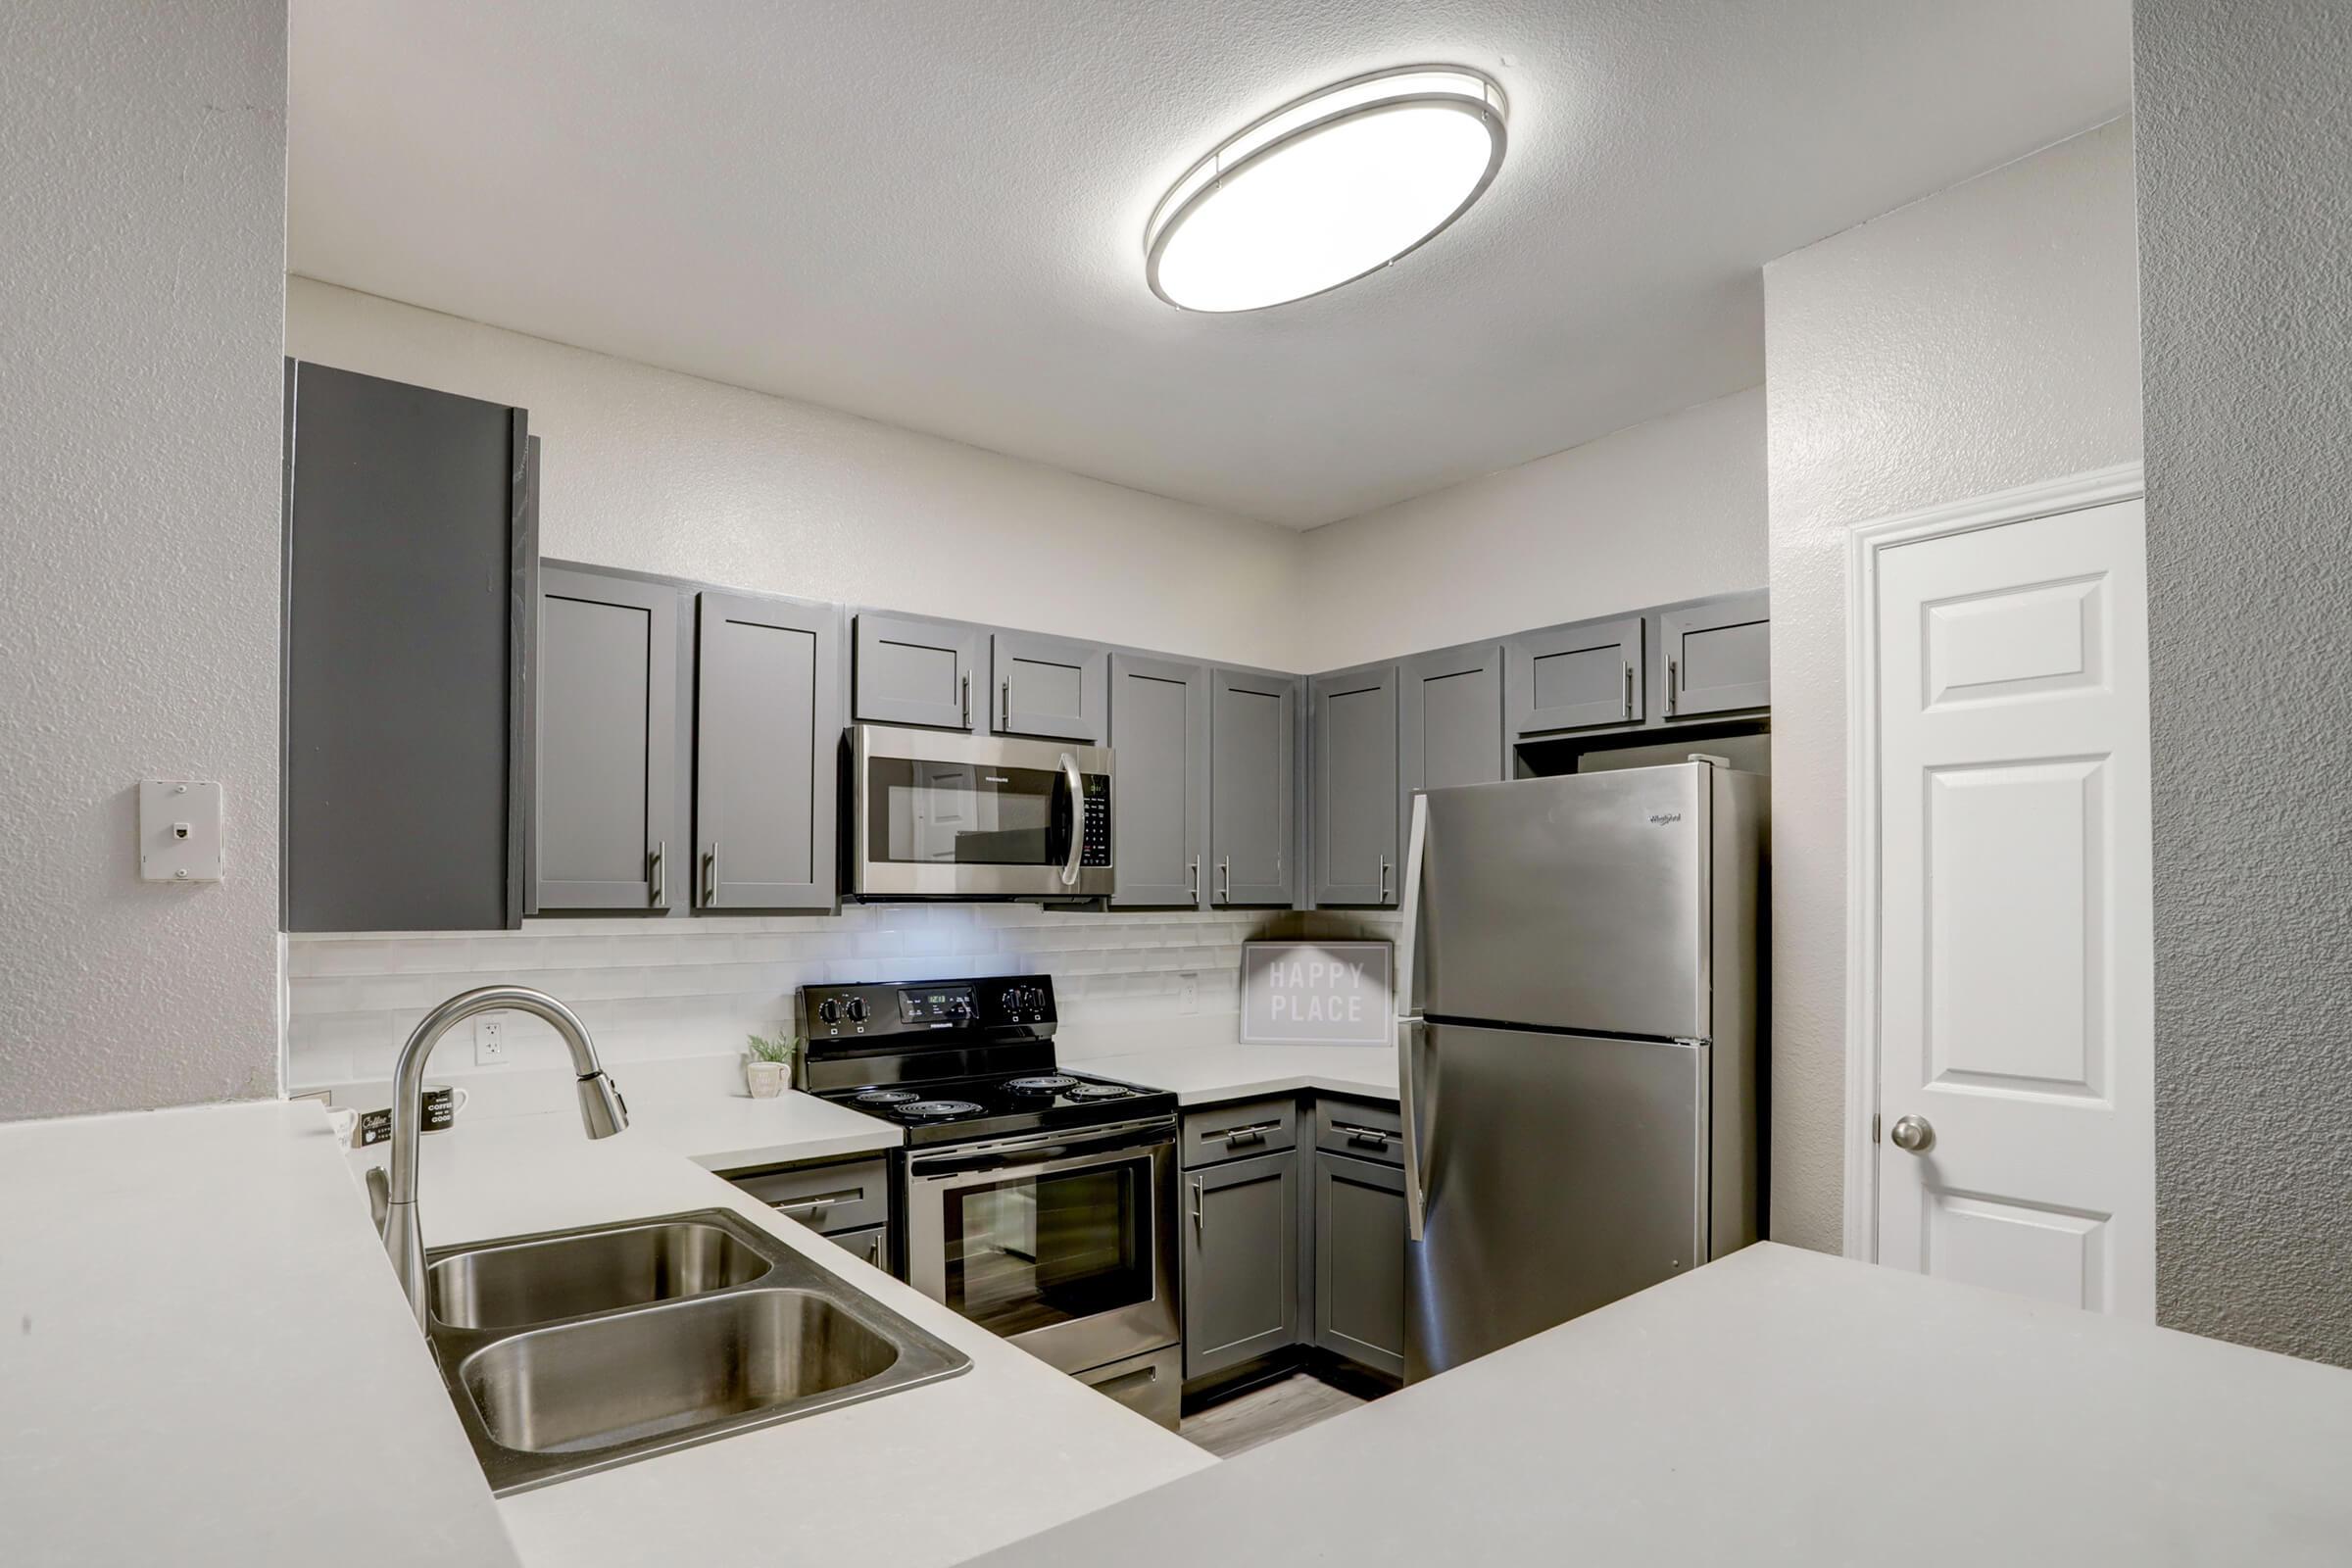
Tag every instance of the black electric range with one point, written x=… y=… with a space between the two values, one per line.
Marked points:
x=956 y=1061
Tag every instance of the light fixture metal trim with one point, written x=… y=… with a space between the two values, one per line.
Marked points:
x=1375 y=93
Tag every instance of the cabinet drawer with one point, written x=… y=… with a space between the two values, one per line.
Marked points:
x=1244 y=1127
x=1362 y=1129
x=826 y=1198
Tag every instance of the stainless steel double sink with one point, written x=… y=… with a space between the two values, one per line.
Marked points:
x=577 y=1351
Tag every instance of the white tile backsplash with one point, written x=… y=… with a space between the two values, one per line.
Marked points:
x=691 y=988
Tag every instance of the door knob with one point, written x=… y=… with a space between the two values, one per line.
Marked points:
x=1913 y=1135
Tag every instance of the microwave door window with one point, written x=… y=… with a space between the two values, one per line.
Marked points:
x=966 y=814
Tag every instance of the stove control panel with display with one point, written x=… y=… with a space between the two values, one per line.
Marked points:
x=1022 y=1003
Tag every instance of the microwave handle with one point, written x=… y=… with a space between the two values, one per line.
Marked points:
x=1069 y=865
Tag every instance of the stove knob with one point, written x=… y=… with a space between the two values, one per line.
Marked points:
x=829 y=1010
x=858 y=1009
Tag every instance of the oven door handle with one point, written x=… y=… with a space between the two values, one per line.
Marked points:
x=1044 y=1158
x=1069 y=865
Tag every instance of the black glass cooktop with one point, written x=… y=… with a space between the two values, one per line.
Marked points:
x=963 y=1109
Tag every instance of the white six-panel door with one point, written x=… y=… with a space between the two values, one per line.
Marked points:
x=2012 y=993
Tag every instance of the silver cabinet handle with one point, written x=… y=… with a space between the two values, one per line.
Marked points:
x=1192 y=878
x=1225 y=878
x=1254 y=1132
x=1384 y=879
x=1377 y=1137
x=658 y=874
x=710 y=876
x=1198 y=1222
x=964 y=697
x=1674 y=680
x=1069 y=865
x=1913 y=1135
x=1007 y=702
x=1628 y=691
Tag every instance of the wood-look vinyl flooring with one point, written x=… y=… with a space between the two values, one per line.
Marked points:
x=1280 y=1409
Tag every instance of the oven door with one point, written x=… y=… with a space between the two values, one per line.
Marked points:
x=942 y=816
x=1062 y=1242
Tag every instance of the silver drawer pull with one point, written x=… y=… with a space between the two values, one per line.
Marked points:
x=1254 y=1132
x=819 y=1204
x=1363 y=1135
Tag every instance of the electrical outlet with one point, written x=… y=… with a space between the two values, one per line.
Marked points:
x=489 y=1039
x=1188 y=994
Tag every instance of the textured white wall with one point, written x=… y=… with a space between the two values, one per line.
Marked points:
x=1669 y=508
x=142 y=244
x=2245 y=202
x=1982 y=339
x=657 y=471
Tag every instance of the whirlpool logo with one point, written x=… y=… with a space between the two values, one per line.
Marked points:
x=1661 y=818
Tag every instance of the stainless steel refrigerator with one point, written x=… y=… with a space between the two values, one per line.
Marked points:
x=1578 y=1034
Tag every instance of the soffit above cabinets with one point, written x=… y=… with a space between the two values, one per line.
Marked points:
x=932 y=214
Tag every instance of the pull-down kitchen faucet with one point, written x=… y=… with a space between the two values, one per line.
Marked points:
x=603 y=1113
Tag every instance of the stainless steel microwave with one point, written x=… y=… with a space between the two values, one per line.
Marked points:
x=942 y=816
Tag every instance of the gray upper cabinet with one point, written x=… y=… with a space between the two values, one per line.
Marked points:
x=1241 y=1261
x=1352 y=808
x=1047 y=687
x=1449 y=721
x=411 y=551
x=930 y=673
x=612 y=703
x=1718 y=656
x=1160 y=781
x=1575 y=678
x=1253 y=741
x=1359 y=1261
x=767 y=762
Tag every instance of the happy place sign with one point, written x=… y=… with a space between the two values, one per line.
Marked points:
x=1315 y=992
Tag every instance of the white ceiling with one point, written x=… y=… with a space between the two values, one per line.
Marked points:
x=932 y=213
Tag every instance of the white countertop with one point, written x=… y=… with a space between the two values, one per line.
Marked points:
x=1783 y=1407
x=1204 y=1074
x=205 y=1358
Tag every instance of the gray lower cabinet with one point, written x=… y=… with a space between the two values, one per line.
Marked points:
x=912 y=671
x=1159 y=780
x=1450 y=721
x=1351 y=807
x=1359 y=1261
x=768 y=738
x=1049 y=687
x=614 y=709
x=1241 y=1261
x=1253 y=744
x=872 y=1243
x=1717 y=657
x=1575 y=678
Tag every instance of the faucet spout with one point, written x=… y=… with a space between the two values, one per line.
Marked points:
x=603 y=1113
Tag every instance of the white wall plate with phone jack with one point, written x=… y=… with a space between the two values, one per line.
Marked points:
x=180 y=830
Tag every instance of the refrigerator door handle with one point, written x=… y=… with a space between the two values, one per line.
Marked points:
x=1409 y=1020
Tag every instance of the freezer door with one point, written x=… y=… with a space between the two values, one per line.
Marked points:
x=1576 y=903
x=1564 y=1172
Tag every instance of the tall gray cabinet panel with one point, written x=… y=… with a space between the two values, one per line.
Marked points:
x=1253 y=741
x=1718 y=656
x=921 y=671
x=1359 y=1261
x=1241 y=1261
x=610 y=804
x=1352 y=808
x=766 y=761
x=1159 y=780
x=1450 y=722
x=1575 y=678
x=1047 y=686
x=412 y=542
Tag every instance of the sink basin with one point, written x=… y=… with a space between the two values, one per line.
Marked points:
x=584 y=1350
x=568 y=1276
x=639 y=1375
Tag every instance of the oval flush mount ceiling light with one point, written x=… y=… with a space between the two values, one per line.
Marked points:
x=1327 y=189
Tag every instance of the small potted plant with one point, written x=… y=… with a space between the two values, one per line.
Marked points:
x=767 y=1066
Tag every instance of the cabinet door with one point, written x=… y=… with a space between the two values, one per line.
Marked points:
x=1251 y=741
x=1047 y=686
x=411 y=544
x=918 y=671
x=1159 y=780
x=1352 y=811
x=610 y=802
x=1718 y=656
x=766 y=754
x=1359 y=1261
x=1575 y=678
x=1450 y=722
x=1241 y=1250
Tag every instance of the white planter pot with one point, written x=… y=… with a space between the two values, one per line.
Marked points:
x=765 y=1079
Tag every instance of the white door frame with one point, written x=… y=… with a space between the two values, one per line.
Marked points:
x=1864 y=546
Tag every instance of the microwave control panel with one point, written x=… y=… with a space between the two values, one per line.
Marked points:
x=1095 y=821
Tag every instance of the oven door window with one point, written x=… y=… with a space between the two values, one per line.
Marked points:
x=966 y=814
x=1030 y=1251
